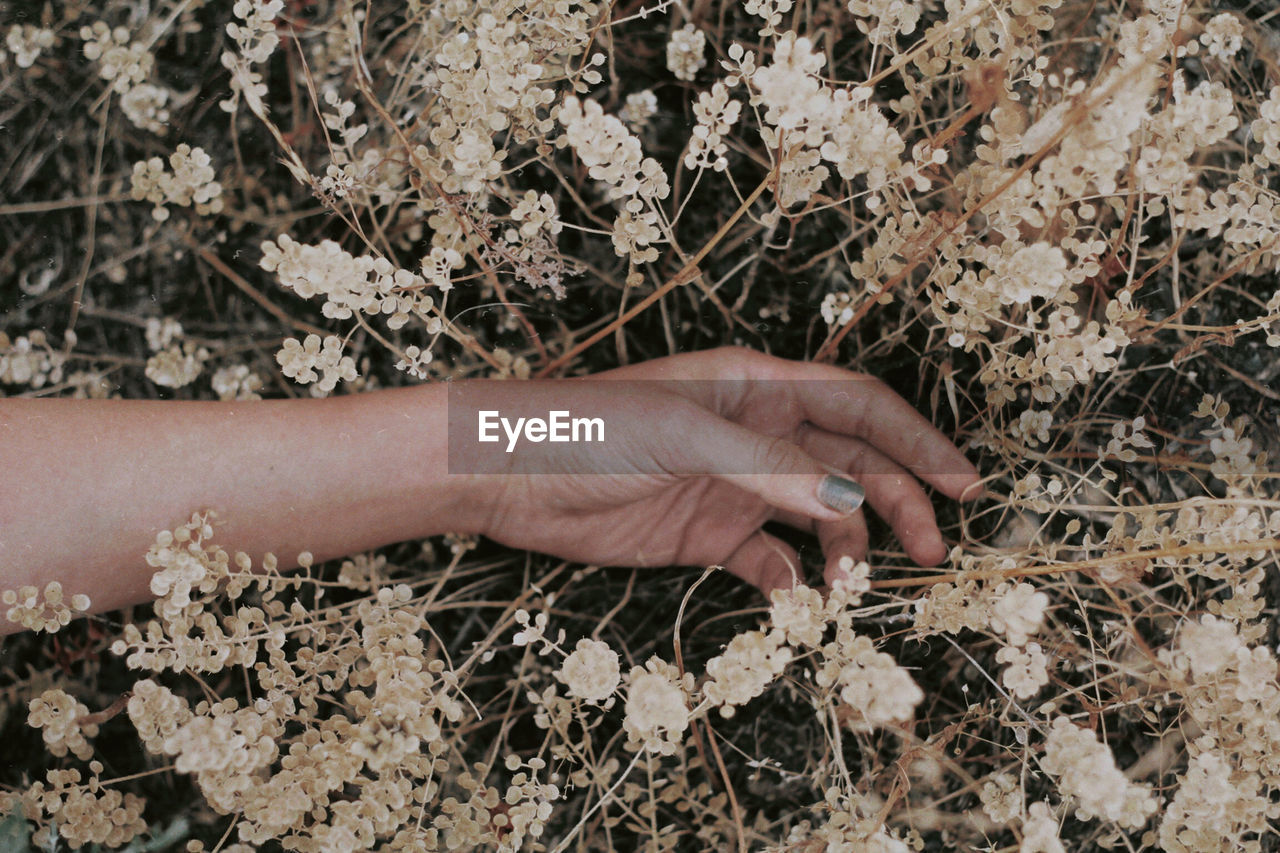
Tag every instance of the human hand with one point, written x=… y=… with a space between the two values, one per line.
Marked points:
x=698 y=457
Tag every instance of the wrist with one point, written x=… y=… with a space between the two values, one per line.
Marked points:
x=419 y=494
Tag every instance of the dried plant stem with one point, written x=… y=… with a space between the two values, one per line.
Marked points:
x=1083 y=565
x=252 y=292
x=686 y=274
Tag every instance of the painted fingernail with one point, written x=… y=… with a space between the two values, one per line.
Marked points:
x=840 y=493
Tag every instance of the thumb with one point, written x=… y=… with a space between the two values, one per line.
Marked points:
x=770 y=467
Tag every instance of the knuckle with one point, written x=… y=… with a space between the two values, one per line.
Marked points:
x=776 y=456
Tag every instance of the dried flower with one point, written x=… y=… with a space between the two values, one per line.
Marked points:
x=590 y=671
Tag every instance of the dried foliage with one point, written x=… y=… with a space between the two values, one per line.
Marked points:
x=1053 y=224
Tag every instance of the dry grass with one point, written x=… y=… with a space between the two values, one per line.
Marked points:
x=1087 y=247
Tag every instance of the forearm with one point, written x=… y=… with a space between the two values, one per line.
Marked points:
x=89 y=483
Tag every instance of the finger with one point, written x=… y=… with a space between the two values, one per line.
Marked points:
x=847 y=537
x=772 y=468
x=797 y=521
x=893 y=493
x=857 y=405
x=765 y=562
x=841 y=539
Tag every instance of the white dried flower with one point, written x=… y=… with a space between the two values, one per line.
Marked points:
x=590 y=671
x=800 y=614
x=1125 y=437
x=438 y=266
x=236 y=382
x=45 y=610
x=1001 y=798
x=536 y=213
x=1027 y=669
x=256 y=36
x=638 y=109
x=1265 y=130
x=1086 y=770
x=350 y=283
x=686 y=52
x=161 y=332
x=657 y=709
x=29 y=360
x=1018 y=611
x=892 y=18
x=870 y=683
x=415 y=362
x=610 y=152
x=177 y=365
x=57 y=714
x=771 y=11
x=1038 y=270
x=862 y=142
x=121 y=63
x=144 y=106
x=748 y=665
x=191 y=183
x=1216 y=807
x=716 y=115
x=26 y=42
x=789 y=87
x=300 y=361
x=1032 y=427
x=1040 y=831
x=1209 y=645
x=1223 y=35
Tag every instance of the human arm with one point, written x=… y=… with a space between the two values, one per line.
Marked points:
x=721 y=442
x=90 y=482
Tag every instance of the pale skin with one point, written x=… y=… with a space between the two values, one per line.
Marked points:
x=90 y=482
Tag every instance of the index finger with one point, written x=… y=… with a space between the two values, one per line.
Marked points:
x=855 y=404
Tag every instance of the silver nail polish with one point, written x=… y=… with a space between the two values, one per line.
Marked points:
x=841 y=494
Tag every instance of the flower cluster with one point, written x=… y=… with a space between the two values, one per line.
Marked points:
x=29 y=360
x=314 y=360
x=875 y=689
x=25 y=42
x=657 y=708
x=175 y=362
x=891 y=18
x=191 y=183
x=807 y=122
x=43 y=610
x=122 y=63
x=685 y=52
x=1086 y=770
x=57 y=714
x=88 y=813
x=614 y=156
x=1018 y=611
x=1027 y=669
x=349 y=283
x=716 y=115
x=771 y=11
x=590 y=671
x=255 y=35
x=748 y=665
x=126 y=66
x=236 y=382
x=1002 y=799
x=1125 y=438
x=638 y=109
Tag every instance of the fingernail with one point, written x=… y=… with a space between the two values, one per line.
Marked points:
x=840 y=493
